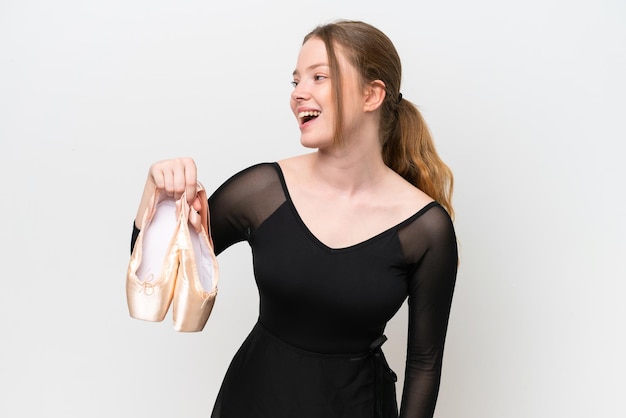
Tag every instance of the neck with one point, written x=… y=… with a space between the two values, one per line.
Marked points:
x=349 y=169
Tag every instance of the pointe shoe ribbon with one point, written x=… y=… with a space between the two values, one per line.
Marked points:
x=198 y=273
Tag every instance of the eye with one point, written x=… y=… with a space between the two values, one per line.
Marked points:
x=294 y=83
x=319 y=77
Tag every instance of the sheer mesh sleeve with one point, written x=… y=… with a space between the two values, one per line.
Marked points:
x=240 y=205
x=429 y=244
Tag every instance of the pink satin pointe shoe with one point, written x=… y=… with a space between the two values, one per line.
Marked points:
x=154 y=262
x=198 y=273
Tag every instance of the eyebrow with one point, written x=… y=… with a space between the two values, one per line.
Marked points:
x=311 y=67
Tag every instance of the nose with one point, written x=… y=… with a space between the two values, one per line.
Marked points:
x=299 y=93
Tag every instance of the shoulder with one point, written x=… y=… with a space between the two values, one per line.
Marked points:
x=402 y=197
x=268 y=169
x=297 y=171
x=257 y=176
x=430 y=223
x=257 y=168
x=430 y=230
x=298 y=165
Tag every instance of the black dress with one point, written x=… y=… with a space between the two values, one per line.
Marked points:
x=315 y=351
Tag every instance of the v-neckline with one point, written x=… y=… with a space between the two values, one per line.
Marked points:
x=350 y=247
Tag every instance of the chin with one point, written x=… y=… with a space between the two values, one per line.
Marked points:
x=311 y=145
x=315 y=143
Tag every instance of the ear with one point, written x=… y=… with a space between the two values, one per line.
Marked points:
x=374 y=95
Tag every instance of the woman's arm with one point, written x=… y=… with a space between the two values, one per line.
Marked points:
x=430 y=297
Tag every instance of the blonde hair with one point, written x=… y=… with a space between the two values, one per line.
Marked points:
x=407 y=145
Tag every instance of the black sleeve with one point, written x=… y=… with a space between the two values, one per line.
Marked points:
x=133 y=237
x=430 y=244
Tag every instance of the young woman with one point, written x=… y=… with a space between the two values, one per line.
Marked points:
x=340 y=238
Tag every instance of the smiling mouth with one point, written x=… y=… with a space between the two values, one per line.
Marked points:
x=308 y=116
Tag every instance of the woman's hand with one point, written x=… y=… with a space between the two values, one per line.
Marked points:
x=174 y=177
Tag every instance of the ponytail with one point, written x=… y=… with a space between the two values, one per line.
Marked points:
x=410 y=152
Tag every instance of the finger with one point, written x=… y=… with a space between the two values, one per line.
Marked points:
x=169 y=182
x=196 y=204
x=195 y=220
x=191 y=180
x=159 y=173
x=157 y=178
x=178 y=178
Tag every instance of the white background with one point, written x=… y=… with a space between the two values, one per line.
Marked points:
x=526 y=103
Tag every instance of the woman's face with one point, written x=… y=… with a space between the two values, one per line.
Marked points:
x=312 y=98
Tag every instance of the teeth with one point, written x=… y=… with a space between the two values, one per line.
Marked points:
x=309 y=113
